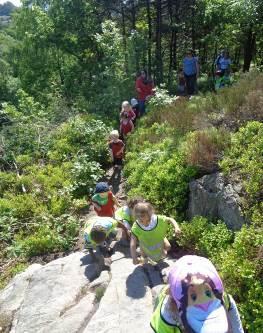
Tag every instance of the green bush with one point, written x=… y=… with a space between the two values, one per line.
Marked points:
x=53 y=235
x=161 y=180
x=241 y=269
x=244 y=158
x=204 y=238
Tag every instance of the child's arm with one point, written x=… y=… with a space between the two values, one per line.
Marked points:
x=116 y=202
x=132 y=126
x=133 y=115
x=175 y=225
x=133 y=244
x=121 y=150
x=123 y=227
x=96 y=205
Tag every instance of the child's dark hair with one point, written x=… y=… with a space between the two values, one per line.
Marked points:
x=131 y=203
x=98 y=234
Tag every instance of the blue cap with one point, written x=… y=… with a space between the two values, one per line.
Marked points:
x=102 y=187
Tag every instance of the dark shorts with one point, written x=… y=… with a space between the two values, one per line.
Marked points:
x=117 y=161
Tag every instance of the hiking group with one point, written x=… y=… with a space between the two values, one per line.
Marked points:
x=194 y=300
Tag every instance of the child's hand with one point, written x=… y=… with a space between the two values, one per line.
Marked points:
x=97 y=206
x=135 y=261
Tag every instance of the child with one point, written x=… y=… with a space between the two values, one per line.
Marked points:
x=125 y=214
x=195 y=301
x=126 y=125
x=150 y=230
x=116 y=147
x=181 y=82
x=103 y=200
x=99 y=232
x=126 y=107
x=135 y=107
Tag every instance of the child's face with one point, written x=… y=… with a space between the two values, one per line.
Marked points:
x=114 y=138
x=103 y=194
x=143 y=218
x=126 y=108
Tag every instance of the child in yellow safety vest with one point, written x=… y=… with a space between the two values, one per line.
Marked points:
x=99 y=232
x=195 y=301
x=125 y=214
x=150 y=231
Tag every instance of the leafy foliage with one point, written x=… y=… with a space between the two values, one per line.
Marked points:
x=245 y=158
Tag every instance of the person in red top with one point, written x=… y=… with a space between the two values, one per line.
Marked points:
x=104 y=201
x=145 y=89
x=116 y=147
x=126 y=107
x=126 y=125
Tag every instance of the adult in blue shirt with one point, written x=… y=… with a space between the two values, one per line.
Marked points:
x=191 y=71
x=223 y=63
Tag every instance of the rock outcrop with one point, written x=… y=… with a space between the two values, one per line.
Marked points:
x=212 y=197
x=73 y=294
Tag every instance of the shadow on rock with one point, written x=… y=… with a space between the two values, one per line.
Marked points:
x=115 y=180
x=136 y=283
x=93 y=267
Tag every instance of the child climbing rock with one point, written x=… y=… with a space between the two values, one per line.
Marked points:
x=150 y=231
x=194 y=301
x=125 y=214
x=99 y=233
x=116 y=148
x=103 y=200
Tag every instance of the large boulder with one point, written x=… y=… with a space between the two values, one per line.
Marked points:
x=73 y=294
x=50 y=298
x=126 y=306
x=213 y=197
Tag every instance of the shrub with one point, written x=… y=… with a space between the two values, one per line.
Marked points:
x=203 y=149
x=244 y=158
x=241 y=269
x=53 y=235
x=204 y=238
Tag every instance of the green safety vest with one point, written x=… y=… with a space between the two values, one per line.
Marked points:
x=124 y=213
x=152 y=241
x=160 y=325
x=108 y=223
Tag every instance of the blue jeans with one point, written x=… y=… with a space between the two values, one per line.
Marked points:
x=142 y=107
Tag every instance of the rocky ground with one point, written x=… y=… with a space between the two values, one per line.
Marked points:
x=73 y=294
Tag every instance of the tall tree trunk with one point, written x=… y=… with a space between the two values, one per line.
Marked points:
x=124 y=40
x=149 y=19
x=133 y=24
x=133 y=13
x=193 y=26
x=171 y=46
x=158 y=51
x=249 y=48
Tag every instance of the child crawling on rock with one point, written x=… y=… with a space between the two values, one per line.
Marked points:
x=100 y=233
x=150 y=231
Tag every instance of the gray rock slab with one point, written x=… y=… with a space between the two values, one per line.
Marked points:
x=12 y=296
x=212 y=197
x=126 y=306
x=54 y=292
